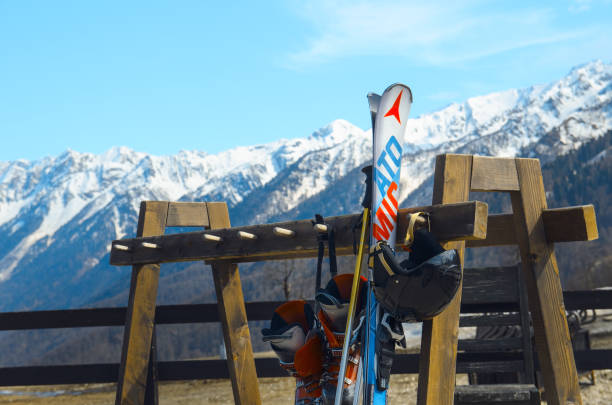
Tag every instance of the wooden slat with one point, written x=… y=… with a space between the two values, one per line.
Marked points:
x=489 y=319
x=544 y=287
x=67 y=318
x=266 y=367
x=570 y=224
x=489 y=345
x=234 y=324
x=261 y=310
x=138 y=330
x=493 y=174
x=489 y=366
x=502 y=394
x=490 y=285
x=439 y=338
x=589 y=299
x=449 y=222
x=187 y=214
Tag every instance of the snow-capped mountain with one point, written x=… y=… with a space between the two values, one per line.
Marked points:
x=58 y=215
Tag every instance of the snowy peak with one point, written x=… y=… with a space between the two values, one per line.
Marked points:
x=53 y=207
x=336 y=131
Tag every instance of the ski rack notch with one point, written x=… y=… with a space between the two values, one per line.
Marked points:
x=532 y=227
x=293 y=239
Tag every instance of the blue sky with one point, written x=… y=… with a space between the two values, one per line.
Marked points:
x=161 y=76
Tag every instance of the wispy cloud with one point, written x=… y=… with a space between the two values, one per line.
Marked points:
x=432 y=32
x=580 y=6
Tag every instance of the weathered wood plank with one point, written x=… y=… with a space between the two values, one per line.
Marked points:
x=140 y=313
x=570 y=224
x=489 y=365
x=600 y=359
x=493 y=174
x=454 y=221
x=260 y=311
x=544 y=287
x=439 y=338
x=489 y=345
x=232 y=313
x=490 y=285
x=502 y=394
x=489 y=319
x=187 y=214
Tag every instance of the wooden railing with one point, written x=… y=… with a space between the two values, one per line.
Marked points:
x=256 y=311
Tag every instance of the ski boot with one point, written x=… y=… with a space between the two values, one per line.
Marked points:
x=334 y=301
x=299 y=348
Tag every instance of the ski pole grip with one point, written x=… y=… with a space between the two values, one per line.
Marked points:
x=367 y=198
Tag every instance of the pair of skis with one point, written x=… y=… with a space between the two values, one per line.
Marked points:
x=389 y=114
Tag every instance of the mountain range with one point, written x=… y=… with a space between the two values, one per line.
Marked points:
x=58 y=215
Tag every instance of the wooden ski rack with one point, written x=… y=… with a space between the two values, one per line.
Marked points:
x=453 y=220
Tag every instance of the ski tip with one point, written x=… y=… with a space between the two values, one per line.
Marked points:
x=403 y=86
x=373 y=99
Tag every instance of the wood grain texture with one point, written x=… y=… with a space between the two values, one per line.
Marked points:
x=439 y=338
x=140 y=314
x=545 y=295
x=571 y=224
x=568 y=224
x=493 y=174
x=489 y=285
x=187 y=214
x=502 y=394
x=449 y=222
x=232 y=312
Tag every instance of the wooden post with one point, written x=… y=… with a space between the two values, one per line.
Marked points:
x=140 y=317
x=454 y=177
x=232 y=314
x=439 y=337
x=541 y=273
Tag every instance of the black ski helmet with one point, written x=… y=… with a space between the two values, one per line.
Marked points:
x=418 y=288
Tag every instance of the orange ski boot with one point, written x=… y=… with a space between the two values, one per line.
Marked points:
x=334 y=301
x=299 y=348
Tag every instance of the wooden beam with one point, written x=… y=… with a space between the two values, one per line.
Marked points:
x=541 y=273
x=570 y=224
x=232 y=313
x=493 y=174
x=448 y=222
x=187 y=214
x=439 y=337
x=138 y=330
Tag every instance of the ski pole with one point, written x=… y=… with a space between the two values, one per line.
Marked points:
x=355 y=287
x=352 y=307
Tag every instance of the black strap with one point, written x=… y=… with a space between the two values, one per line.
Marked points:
x=331 y=244
x=365 y=203
x=330 y=238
